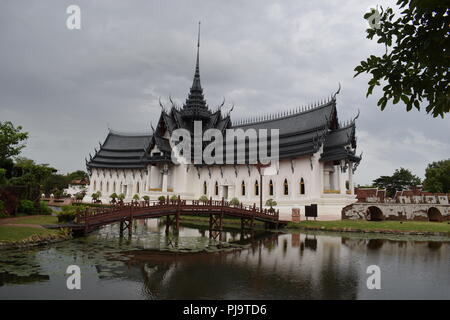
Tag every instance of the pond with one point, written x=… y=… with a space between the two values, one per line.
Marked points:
x=262 y=265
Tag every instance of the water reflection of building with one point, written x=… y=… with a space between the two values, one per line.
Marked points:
x=272 y=267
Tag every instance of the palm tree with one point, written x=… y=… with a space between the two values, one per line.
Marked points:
x=113 y=197
x=271 y=203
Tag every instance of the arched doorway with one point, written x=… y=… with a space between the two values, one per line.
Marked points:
x=434 y=215
x=374 y=214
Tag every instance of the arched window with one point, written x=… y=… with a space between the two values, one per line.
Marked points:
x=95 y=186
x=107 y=187
x=216 y=189
x=256 y=188
x=114 y=187
x=302 y=186
x=286 y=187
x=243 y=188
x=205 y=188
x=270 y=188
x=137 y=187
x=101 y=186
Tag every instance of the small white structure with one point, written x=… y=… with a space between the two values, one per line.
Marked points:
x=76 y=186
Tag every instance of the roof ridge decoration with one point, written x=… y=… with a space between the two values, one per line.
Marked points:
x=348 y=123
x=286 y=113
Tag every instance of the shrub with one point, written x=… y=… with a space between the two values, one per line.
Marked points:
x=146 y=198
x=161 y=199
x=2 y=206
x=3 y=213
x=234 y=202
x=203 y=199
x=44 y=209
x=68 y=213
x=114 y=196
x=79 y=196
x=174 y=198
x=26 y=207
x=136 y=197
x=121 y=197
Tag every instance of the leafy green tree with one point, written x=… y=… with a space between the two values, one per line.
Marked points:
x=437 y=177
x=10 y=140
x=414 y=67
x=31 y=175
x=402 y=179
x=77 y=175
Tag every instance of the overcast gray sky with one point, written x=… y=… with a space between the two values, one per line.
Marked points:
x=66 y=87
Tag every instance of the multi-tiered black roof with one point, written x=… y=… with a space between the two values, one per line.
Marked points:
x=301 y=132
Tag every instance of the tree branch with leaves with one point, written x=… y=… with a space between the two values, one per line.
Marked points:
x=414 y=68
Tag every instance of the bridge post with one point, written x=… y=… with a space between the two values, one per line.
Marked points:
x=177 y=222
x=86 y=223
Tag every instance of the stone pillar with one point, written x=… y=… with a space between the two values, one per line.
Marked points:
x=164 y=178
x=149 y=174
x=342 y=189
x=153 y=177
x=350 y=178
x=336 y=184
x=326 y=179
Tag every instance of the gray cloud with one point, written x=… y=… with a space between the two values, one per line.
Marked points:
x=65 y=87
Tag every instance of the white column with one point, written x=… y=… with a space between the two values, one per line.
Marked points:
x=164 y=178
x=326 y=179
x=342 y=188
x=350 y=178
x=149 y=173
x=153 y=176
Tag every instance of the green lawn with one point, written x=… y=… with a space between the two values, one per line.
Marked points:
x=12 y=233
x=39 y=220
x=406 y=226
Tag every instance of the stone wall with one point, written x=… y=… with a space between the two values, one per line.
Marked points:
x=396 y=211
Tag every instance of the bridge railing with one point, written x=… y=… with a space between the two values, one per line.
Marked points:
x=124 y=209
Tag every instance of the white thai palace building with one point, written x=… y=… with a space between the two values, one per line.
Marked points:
x=317 y=160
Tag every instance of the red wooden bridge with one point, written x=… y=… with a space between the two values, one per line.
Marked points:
x=88 y=221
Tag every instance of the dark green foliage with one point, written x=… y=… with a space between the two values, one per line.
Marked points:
x=26 y=207
x=414 y=67
x=161 y=198
x=30 y=207
x=77 y=175
x=402 y=179
x=44 y=208
x=10 y=140
x=2 y=209
x=437 y=177
x=69 y=213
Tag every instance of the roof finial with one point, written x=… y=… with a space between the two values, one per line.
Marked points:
x=198 y=41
